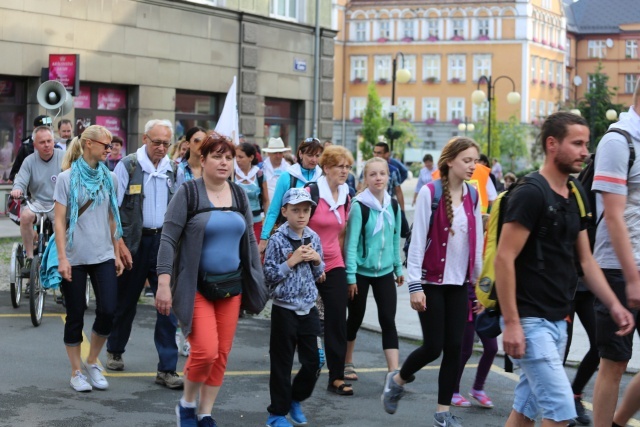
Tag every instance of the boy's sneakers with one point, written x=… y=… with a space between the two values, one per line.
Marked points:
x=296 y=414
x=459 y=400
x=391 y=393
x=278 y=421
x=207 y=422
x=583 y=419
x=95 y=376
x=170 y=380
x=79 y=382
x=481 y=397
x=185 y=349
x=186 y=417
x=446 y=419
x=115 y=362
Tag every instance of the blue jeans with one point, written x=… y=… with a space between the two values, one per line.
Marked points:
x=130 y=285
x=544 y=386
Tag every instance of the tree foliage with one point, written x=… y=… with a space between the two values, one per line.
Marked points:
x=508 y=139
x=373 y=122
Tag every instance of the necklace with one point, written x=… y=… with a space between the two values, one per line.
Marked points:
x=216 y=193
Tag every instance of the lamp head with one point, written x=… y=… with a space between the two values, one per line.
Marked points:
x=403 y=75
x=611 y=115
x=471 y=127
x=478 y=97
x=513 y=98
x=575 y=111
x=462 y=127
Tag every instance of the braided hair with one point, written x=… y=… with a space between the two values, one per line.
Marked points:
x=449 y=153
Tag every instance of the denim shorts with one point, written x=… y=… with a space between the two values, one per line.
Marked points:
x=544 y=388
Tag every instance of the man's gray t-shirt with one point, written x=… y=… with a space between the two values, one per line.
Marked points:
x=38 y=177
x=92 y=239
x=610 y=176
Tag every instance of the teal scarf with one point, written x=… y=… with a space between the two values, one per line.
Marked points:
x=97 y=184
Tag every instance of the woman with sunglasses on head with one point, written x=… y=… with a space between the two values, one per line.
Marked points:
x=330 y=222
x=85 y=197
x=296 y=176
x=190 y=168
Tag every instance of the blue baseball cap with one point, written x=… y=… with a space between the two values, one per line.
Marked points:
x=293 y=196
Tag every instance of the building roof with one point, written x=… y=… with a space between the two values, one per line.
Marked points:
x=600 y=17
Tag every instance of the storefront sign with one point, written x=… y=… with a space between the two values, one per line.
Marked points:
x=114 y=124
x=65 y=69
x=112 y=99
x=300 y=65
x=83 y=99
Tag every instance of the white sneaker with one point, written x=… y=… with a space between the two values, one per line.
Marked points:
x=95 y=376
x=79 y=382
x=186 y=349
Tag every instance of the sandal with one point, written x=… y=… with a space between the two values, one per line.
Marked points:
x=340 y=389
x=350 y=373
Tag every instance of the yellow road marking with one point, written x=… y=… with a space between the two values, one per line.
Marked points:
x=29 y=315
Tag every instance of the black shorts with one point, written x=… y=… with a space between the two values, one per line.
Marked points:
x=610 y=345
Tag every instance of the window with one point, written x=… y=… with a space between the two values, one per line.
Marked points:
x=432 y=28
x=409 y=64
x=567 y=50
x=457 y=67
x=431 y=67
x=566 y=86
x=481 y=66
x=281 y=120
x=406 y=108
x=408 y=27
x=384 y=30
x=542 y=109
x=357 y=107
x=359 y=68
x=106 y=105
x=458 y=27
x=382 y=68
x=386 y=106
x=558 y=73
x=551 y=107
x=285 y=8
x=596 y=49
x=534 y=67
x=533 y=110
x=361 y=31
x=483 y=28
x=480 y=112
x=455 y=109
x=591 y=82
x=546 y=4
x=550 y=72
x=630 y=82
x=13 y=111
x=431 y=109
x=543 y=66
x=631 y=49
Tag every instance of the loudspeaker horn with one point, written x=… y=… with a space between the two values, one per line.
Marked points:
x=67 y=107
x=52 y=95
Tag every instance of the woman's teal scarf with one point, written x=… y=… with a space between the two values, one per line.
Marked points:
x=97 y=184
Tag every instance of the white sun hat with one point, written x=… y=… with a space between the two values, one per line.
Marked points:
x=276 y=145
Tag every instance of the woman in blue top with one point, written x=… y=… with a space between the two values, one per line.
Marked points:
x=373 y=258
x=306 y=170
x=249 y=177
x=190 y=168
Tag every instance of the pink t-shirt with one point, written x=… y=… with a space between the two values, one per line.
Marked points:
x=325 y=223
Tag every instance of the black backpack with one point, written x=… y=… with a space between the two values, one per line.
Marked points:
x=314 y=191
x=586 y=180
x=193 y=197
x=364 y=211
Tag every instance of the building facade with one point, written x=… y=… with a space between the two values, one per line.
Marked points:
x=447 y=46
x=170 y=59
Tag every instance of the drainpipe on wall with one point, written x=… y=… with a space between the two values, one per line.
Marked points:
x=344 y=81
x=316 y=74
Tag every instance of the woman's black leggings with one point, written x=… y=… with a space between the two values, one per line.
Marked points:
x=442 y=325
x=583 y=306
x=385 y=294
x=334 y=295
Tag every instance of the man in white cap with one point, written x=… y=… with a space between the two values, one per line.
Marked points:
x=274 y=165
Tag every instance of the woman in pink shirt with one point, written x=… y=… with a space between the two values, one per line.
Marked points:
x=330 y=221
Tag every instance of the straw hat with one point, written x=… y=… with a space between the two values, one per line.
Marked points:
x=276 y=145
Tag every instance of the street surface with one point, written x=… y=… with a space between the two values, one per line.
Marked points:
x=35 y=388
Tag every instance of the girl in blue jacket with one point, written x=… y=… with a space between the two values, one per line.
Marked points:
x=373 y=259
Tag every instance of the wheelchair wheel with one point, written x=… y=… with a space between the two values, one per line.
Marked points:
x=15 y=274
x=87 y=293
x=37 y=293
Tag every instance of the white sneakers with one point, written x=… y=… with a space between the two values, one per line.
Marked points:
x=79 y=382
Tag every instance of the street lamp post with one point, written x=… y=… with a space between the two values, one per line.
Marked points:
x=466 y=126
x=402 y=76
x=478 y=97
x=610 y=114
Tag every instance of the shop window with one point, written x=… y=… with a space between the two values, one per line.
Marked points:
x=196 y=109
x=103 y=105
x=281 y=120
x=13 y=110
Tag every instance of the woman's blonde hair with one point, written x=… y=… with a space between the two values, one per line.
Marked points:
x=333 y=155
x=75 y=149
x=450 y=151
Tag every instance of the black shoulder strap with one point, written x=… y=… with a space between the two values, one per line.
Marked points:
x=193 y=196
x=632 y=150
x=314 y=191
x=364 y=213
x=292 y=181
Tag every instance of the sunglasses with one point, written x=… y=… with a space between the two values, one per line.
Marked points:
x=106 y=146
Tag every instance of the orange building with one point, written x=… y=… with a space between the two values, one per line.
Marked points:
x=602 y=31
x=447 y=45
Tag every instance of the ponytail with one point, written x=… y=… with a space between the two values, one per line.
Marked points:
x=73 y=153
